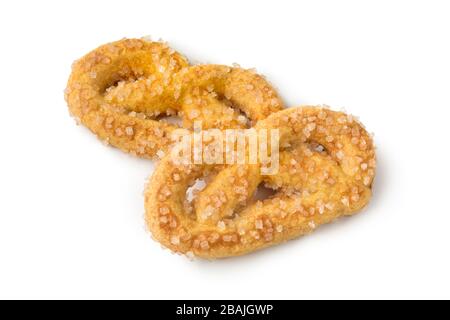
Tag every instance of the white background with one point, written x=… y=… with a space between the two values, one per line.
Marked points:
x=71 y=209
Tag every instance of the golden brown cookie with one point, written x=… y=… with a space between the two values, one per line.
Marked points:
x=120 y=91
x=327 y=166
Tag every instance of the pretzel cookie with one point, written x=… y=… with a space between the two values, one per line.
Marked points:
x=121 y=90
x=327 y=166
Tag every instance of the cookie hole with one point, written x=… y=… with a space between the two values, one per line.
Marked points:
x=317 y=147
x=173 y=119
x=263 y=192
x=194 y=189
x=246 y=121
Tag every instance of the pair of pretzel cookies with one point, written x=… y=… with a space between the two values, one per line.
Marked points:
x=326 y=159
